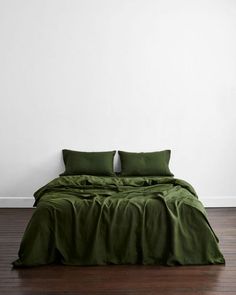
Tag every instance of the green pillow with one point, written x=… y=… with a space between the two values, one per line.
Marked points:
x=88 y=163
x=145 y=164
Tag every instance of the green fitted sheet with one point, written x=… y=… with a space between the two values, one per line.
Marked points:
x=89 y=220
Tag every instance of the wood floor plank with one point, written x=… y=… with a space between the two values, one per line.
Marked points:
x=121 y=279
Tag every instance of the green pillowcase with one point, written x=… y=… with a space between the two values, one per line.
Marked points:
x=88 y=163
x=145 y=164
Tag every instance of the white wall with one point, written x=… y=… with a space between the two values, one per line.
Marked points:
x=133 y=75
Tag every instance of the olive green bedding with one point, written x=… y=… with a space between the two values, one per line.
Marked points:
x=91 y=220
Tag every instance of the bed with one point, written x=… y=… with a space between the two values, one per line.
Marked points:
x=99 y=220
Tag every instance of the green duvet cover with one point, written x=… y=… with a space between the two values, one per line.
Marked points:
x=88 y=220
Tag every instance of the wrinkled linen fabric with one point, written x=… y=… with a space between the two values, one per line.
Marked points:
x=90 y=220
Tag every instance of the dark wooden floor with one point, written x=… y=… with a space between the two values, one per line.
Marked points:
x=122 y=280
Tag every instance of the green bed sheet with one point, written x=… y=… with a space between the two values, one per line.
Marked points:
x=89 y=220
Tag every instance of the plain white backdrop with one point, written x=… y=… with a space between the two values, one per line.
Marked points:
x=140 y=75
